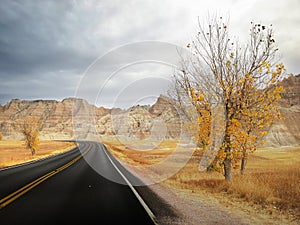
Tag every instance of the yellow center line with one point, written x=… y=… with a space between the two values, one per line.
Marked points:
x=26 y=186
x=21 y=191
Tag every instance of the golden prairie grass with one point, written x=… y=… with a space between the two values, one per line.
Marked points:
x=280 y=188
x=272 y=176
x=14 y=152
x=141 y=157
x=271 y=179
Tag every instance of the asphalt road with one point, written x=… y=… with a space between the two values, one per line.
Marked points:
x=65 y=189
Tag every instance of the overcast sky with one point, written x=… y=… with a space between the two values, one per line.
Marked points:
x=51 y=49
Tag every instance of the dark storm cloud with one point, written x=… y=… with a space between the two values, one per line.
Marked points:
x=37 y=36
x=46 y=46
x=45 y=40
x=41 y=41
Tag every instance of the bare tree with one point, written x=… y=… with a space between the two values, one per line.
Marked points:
x=241 y=81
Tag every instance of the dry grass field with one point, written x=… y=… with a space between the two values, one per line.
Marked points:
x=141 y=158
x=15 y=152
x=271 y=183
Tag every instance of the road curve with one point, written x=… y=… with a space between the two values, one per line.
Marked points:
x=65 y=189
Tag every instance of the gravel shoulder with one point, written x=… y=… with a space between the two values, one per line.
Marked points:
x=204 y=208
x=191 y=209
x=184 y=207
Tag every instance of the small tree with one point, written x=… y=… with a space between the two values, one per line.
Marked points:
x=30 y=127
x=243 y=80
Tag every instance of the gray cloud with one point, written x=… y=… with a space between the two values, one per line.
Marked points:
x=46 y=46
x=112 y=74
x=41 y=35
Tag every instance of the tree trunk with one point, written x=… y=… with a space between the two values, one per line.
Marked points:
x=243 y=162
x=227 y=160
x=227 y=169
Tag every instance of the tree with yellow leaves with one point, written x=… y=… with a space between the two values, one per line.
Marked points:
x=30 y=127
x=240 y=83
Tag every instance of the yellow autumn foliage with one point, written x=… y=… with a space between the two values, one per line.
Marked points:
x=30 y=127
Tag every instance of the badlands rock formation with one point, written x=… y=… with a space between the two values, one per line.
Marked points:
x=286 y=132
x=76 y=118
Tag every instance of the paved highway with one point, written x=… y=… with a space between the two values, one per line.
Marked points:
x=65 y=189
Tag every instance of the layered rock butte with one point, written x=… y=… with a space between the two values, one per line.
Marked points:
x=72 y=118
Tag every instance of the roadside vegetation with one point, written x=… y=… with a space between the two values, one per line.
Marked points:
x=30 y=128
x=270 y=184
x=14 y=152
x=271 y=181
x=227 y=90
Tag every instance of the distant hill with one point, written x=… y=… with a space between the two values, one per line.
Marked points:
x=60 y=117
x=287 y=131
